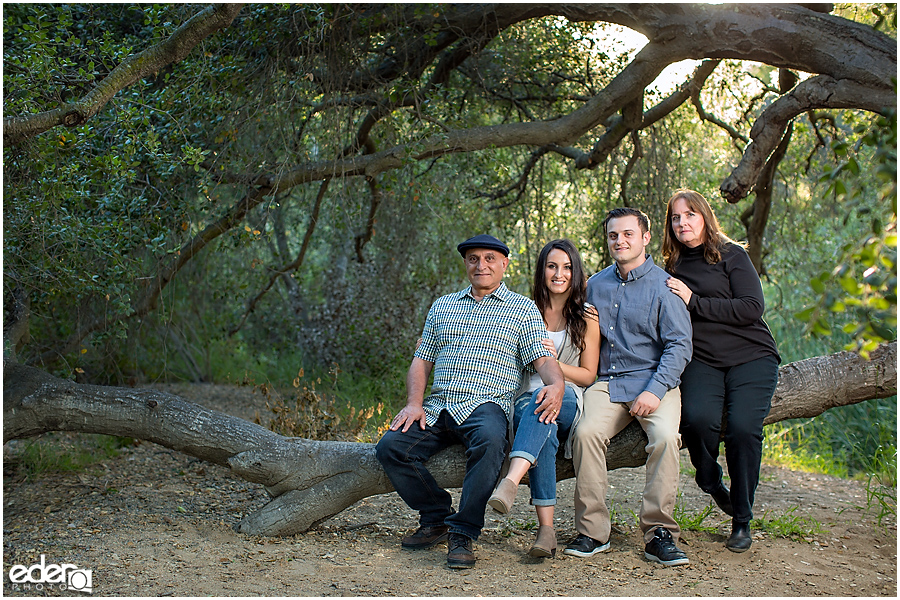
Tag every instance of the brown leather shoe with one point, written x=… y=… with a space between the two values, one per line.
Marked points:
x=425 y=537
x=459 y=553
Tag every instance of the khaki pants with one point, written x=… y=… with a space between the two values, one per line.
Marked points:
x=601 y=420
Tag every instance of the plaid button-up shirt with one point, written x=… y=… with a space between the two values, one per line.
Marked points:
x=479 y=350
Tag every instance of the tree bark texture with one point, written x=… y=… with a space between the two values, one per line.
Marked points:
x=311 y=481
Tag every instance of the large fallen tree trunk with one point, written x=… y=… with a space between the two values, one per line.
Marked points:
x=311 y=481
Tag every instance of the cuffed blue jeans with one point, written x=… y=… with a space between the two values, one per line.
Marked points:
x=742 y=393
x=403 y=456
x=538 y=443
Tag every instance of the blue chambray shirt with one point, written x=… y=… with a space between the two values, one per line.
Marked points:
x=646 y=331
x=479 y=350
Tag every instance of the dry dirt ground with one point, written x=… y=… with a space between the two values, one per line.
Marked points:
x=154 y=522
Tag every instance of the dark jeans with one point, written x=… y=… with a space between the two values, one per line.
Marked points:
x=403 y=456
x=742 y=393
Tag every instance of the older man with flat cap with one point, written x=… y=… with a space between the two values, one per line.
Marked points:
x=478 y=341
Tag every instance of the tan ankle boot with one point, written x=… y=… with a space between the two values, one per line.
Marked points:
x=544 y=543
x=503 y=497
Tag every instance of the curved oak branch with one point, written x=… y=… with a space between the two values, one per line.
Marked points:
x=133 y=68
x=818 y=92
x=311 y=481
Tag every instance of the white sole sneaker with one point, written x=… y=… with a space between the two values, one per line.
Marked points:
x=579 y=553
x=675 y=562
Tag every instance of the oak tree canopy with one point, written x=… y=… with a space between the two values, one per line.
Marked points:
x=181 y=180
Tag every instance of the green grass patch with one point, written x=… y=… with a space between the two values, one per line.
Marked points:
x=857 y=441
x=881 y=499
x=788 y=525
x=626 y=519
x=694 y=520
x=881 y=485
x=63 y=452
x=785 y=445
x=510 y=527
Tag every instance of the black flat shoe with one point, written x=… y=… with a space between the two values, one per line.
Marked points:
x=740 y=539
x=722 y=496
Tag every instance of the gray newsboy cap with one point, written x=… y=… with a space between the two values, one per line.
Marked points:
x=483 y=241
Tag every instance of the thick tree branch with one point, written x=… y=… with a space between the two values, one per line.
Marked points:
x=834 y=380
x=757 y=216
x=763 y=33
x=617 y=128
x=767 y=132
x=787 y=36
x=681 y=94
x=755 y=219
x=312 y=481
x=626 y=87
x=133 y=68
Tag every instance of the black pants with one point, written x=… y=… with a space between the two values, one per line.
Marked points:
x=742 y=393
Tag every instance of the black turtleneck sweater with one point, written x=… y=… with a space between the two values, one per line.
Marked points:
x=726 y=307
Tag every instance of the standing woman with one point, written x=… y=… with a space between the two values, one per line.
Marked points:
x=735 y=364
x=574 y=330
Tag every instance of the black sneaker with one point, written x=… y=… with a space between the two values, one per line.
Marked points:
x=662 y=549
x=459 y=552
x=585 y=546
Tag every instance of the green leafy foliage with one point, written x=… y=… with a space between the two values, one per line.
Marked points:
x=862 y=287
x=95 y=215
x=87 y=210
x=848 y=441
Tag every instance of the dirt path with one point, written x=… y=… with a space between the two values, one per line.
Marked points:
x=154 y=522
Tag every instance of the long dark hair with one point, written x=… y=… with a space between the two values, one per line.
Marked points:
x=574 y=308
x=714 y=239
